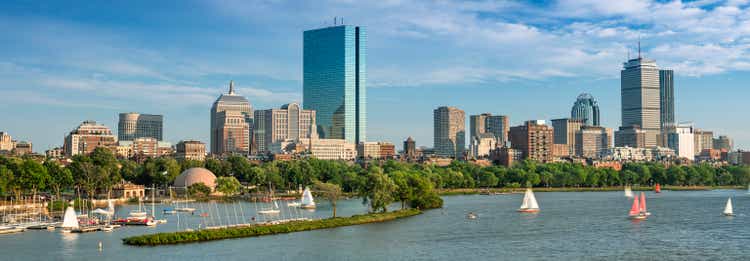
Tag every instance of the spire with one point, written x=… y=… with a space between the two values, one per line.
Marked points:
x=231 y=87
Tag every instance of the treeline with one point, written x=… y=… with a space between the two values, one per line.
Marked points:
x=384 y=182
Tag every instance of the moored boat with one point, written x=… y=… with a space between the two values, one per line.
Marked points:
x=529 y=204
x=307 y=201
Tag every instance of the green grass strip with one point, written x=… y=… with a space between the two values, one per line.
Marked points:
x=262 y=230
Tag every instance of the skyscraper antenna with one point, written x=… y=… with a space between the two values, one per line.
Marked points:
x=231 y=87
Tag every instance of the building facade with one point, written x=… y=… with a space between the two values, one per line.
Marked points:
x=334 y=77
x=723 y=143
x=534 y=140
x=565 y=132
x=497 y=125
x=482 y=144
x=586 y=108
x=6 y=142
x=450 y=132
x=703 y=140
x=190 y=150
x=632 y=136
x=630 y=154
x=593 y=141
x=640 y=98
x=376 y=150
x=505 y=156
x=133 y=125
x=287 y=122
x=231 y=123
x=23 y=148
x=410 y=150
x=87 y=137
x=145 y=147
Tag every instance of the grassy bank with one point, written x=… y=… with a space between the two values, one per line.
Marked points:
x=472 y=191
x=261 y=230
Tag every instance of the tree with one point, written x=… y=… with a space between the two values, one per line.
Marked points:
x=228 y=185
x=60 y=177
x=85 y=174
x=329 y=191
x=6 y=180
x=33 y=176
x=403 y=190
x=378 y=190
x=199 y=189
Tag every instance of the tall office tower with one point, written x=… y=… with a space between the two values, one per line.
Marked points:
x=135 y=125
x=534 y=139
x=723 y=143
x=593 y=141
x=565 y=132
x=632 y=136
x=334 y=76
x=666 y=103
x=586 y=108
x=450 y=132
x=703 y=140
x=231 y=121
x=87 y=137
x=680 y=139
x=639 y=87
x=289 y=122
x=497 y=125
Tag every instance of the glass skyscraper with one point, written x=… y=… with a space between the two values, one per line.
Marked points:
x=334 y=76
x=666 y=89
x=585 y=108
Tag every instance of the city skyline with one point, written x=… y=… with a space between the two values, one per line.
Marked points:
x=92 y=82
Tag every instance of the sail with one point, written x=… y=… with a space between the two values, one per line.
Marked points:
x=110 y=207
x=532 y=201
x=275 y=205
x=307 y=198
x=728 y=208
x=70 y=220
x=635 y=209
x=643 y=202
x=525 y=202
x=628 y=192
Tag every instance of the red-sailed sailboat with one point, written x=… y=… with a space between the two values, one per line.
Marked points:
x=637 y=211
x=643 y=205
x=657 y=188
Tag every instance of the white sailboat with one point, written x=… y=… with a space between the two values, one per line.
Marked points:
x=728 y=211
x=307 y=201
x=628 y=192
x=529 y=204
x=273 y=211
x=70 y=220
x=140 y=213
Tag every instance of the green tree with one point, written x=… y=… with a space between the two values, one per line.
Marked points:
x=403 y=190
x=33 y=176
x=60 y=177
x=199 y=190
x=378 y=190
x=329 y=191
x=228 y=185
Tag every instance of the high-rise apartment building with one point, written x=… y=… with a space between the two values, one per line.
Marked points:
x=289 y=122
x=703 y=140
x=680 y=139
x=593 y=141
x=586 y=108
x=87 y=137
x=497 y=125
x=640 y=90
x=723 y=143
x=231 y=123
x=334 y=77
x=534 y=139
x=450 y=131
x=565 y=132
x=135 y=125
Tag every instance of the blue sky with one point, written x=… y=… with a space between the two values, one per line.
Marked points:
x=68 y=61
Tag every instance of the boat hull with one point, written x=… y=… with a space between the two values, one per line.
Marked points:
x=528 y=210
x=307 y=206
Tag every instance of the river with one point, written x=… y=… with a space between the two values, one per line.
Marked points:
x=571 y=226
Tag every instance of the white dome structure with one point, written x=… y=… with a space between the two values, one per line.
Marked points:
x=195 y=175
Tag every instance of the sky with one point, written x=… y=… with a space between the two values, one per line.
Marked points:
x=63 y=62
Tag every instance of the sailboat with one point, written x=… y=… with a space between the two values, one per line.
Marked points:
x=728 y=211
x=307 y=201
x=70 y=220
x=657 y=188
x=628 y=192
x=275 y=209
x=529 y=204
x=140 y=213
x=643 y=205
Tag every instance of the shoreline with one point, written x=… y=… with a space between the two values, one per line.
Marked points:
x=182 y=237
x=475 y=191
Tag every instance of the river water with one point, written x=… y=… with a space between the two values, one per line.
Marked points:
x=571 y=226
